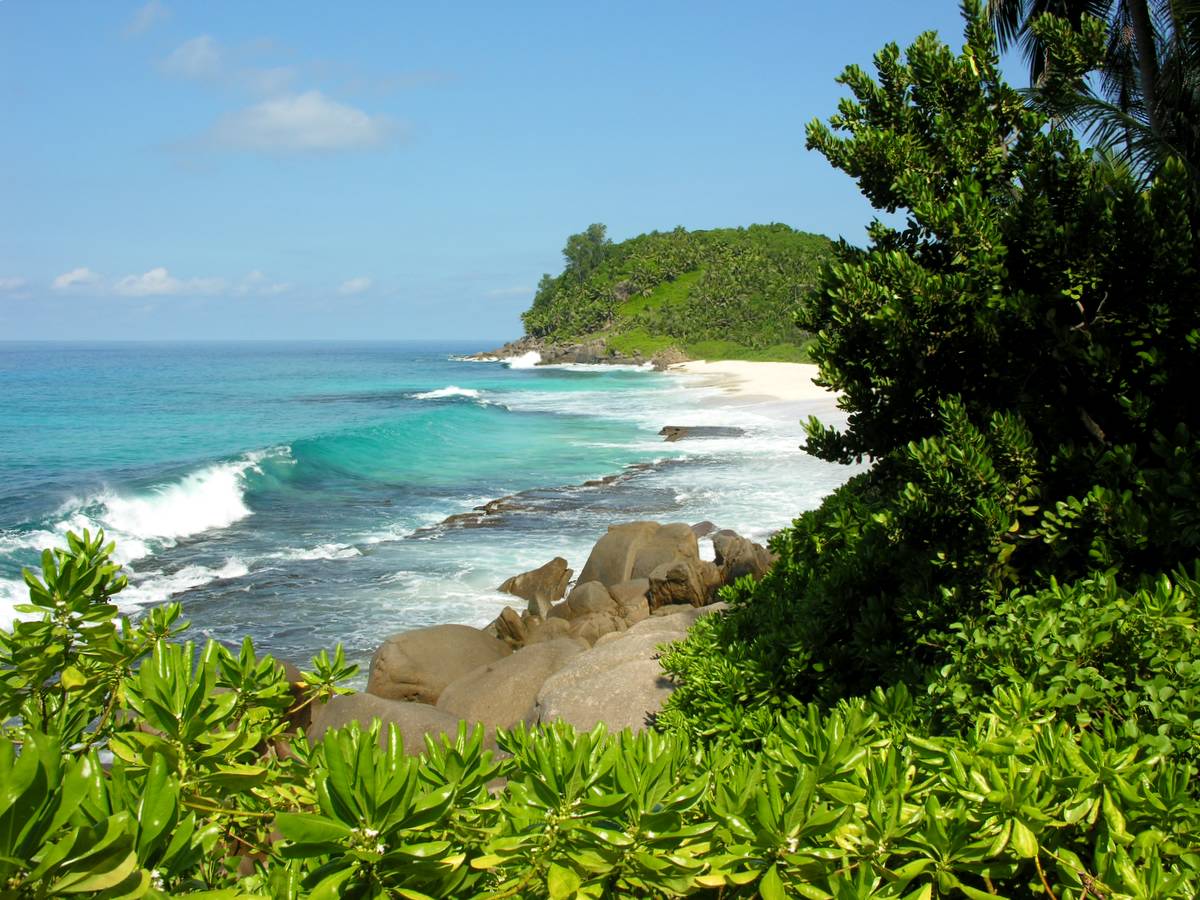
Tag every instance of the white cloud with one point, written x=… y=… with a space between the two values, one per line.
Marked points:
x=198 y=58
x=258 y=283
x=355 y=285
x=146 y=17
x=11 y=284
x=204 y=59
x=308 y=122
x=76 y=277
x=158 y=282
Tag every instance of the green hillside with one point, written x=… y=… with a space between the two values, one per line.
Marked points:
x=725 y=293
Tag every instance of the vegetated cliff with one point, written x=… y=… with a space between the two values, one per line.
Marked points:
x=719 y=294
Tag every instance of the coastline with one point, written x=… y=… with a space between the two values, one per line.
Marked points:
x=568 y=610
x=577 y=639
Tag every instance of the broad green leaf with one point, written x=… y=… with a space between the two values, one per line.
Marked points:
x=562 y=882
x=771 y=886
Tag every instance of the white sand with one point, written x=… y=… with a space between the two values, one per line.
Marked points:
x=761 y=381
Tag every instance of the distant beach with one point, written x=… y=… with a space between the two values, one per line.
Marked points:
x=757 y=381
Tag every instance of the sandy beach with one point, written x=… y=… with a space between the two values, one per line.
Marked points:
x=758 y=381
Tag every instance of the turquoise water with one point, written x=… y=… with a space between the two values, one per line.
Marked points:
x=296 y=492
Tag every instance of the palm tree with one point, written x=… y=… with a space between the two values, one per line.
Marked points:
x=1012 y=21
x=1149 y=89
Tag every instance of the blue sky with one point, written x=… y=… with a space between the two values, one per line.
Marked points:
x=394 y=170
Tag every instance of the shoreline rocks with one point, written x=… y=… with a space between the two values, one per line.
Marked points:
x=417 y=665
x=585 y=655
x=672 y=433
x=593 y=352
x=542 y=587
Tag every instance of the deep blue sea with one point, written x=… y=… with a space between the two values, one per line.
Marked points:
x=296 y=491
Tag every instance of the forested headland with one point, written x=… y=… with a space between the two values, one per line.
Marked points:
x=728 y=293
x=974 y=670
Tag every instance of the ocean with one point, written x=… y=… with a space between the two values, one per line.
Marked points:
x=299 y=492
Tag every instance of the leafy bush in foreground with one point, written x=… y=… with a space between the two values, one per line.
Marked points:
x=856 y=801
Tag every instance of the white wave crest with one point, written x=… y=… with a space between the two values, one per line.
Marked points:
x=323 y=551
x=203 y=500
x=451 y=391
x=28 y=540
x=524 y=361
x=157 y=588
x=141 y=523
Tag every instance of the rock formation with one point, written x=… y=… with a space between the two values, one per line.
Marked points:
x=541 y=587
x=417 y=665
x=591 y=657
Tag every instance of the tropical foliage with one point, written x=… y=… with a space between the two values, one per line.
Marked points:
x=200 y=793
x=726 y=292
x=1145 y=103
x=974 y=670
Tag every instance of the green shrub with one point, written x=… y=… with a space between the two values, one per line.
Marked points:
x=1086 y=651
x=855 y=801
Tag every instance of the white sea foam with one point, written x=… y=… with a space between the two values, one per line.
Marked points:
x=597 y=368
x=41 y=539
x=203 y=500
x=12 y=592
x=151 y=588
x=446 y=392
x=158 y=587
x=141 y=523
x=322 y=551
x=524 y=361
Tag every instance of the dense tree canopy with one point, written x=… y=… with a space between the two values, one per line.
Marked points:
x=731 y=290
x=585 y=251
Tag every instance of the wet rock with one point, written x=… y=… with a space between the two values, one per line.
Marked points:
x=673 y=433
